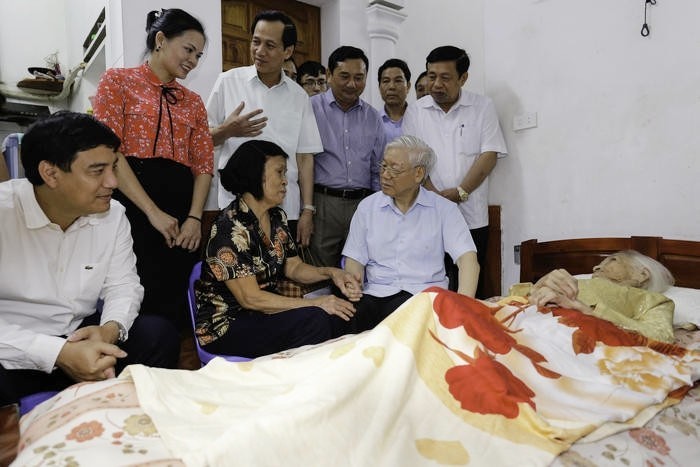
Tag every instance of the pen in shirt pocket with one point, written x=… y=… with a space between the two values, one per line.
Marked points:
x=461 y=128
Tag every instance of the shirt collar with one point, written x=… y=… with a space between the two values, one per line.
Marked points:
x=466 y=99
x=152 y=78
x=422 y=199
x=251 y=74
x=329 y=99
x=34 y=216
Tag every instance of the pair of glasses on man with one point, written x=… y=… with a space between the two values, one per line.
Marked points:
x=312 y=83
x=392 y=172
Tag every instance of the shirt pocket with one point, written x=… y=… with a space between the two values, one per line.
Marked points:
x=469 y=140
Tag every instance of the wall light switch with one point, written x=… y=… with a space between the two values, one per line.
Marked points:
x=524 y=121
x=516 y=254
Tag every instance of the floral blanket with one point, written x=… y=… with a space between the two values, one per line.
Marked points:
x=444 y=380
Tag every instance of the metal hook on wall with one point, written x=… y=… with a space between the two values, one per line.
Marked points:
x=645 y=26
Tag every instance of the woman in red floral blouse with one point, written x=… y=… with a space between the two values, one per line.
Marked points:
x=166 y=156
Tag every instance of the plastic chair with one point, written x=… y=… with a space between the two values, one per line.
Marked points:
x=204 y=356
x=27 y=403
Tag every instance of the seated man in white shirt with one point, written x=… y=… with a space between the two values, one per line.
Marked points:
x=399 y=236
x=64 y=245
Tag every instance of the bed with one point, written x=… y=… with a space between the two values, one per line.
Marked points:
x=402 y=394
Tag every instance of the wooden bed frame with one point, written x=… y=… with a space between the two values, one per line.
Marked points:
x=578 y=256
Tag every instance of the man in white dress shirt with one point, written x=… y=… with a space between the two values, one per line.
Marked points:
x=64 y=245
x=462 y=127
x=287 y=117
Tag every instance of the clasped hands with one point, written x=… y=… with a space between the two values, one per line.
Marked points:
x=350 y=286
x=558 y=288
x=89 y=354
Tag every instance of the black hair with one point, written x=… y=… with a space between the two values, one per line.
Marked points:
x=172 y=22
x=449 y=53
x=346 y=52
x=310 y=68
x=289 y=34
x=244 y=170
x=59 y=138
x=420 y=77
x=394 y=63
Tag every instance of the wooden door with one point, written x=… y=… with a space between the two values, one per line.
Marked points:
x=237 y=17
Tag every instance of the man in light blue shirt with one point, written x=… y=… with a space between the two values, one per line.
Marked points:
x=353 y=143
x=394 y=83
x=399 y=236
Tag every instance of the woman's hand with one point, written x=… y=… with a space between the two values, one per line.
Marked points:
x=348 y=284
x=560 y=282
x=190 y=235
x=166 y=224
x=335 y=306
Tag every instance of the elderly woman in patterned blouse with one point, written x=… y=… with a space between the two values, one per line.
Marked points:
x=250 y=248
x=164 y=178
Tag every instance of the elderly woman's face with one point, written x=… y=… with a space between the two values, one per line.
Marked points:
x=621 y=270
x=275 y=180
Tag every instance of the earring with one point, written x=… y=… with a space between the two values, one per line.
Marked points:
x=158 y=49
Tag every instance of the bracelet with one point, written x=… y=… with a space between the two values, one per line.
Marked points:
x=190 y=216
x=309 y=207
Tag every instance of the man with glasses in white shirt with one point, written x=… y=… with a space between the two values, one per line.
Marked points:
x=399 y=236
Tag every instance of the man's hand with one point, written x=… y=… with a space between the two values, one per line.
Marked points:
x=89 y=359
x=305 y=227
x=450 y=193
x=243 y=125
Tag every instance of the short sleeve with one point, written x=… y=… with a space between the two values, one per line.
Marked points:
x=229 y=252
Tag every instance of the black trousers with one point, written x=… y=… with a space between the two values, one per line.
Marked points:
x=164 y=271
x=369 y=312
x=153 y=341
x=481 y=240
x=253 y=333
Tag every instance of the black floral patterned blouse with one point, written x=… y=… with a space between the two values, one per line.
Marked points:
x=238 y=247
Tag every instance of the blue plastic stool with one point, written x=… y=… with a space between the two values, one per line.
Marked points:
x=204 y=356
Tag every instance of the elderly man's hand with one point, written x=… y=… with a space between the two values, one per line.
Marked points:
x=89 y=359
x=349 y=285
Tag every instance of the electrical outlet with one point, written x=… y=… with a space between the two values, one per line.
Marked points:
x=524 y=121
x=516 y=254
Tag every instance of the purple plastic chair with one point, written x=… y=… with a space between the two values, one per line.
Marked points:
x=27 y=403
x=204 y=356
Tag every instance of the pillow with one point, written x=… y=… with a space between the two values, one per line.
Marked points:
x=687 y=302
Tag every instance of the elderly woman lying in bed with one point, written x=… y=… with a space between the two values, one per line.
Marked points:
x=625 y=289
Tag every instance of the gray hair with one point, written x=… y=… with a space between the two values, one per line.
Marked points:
x=660 y=278
x=419 y=153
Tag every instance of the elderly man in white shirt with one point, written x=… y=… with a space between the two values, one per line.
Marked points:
x=399 y=236
x=64 y=245
x=282 y=114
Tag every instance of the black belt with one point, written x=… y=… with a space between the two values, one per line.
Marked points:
x=345 y=194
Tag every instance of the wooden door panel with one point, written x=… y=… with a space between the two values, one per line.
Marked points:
x=237 y=16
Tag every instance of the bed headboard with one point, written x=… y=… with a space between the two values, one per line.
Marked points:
x=578 y=256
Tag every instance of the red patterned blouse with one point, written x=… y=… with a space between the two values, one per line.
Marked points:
x=155 y=119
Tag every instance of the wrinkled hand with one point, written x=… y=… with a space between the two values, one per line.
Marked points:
x=547 y=296
x=166 y=224
x=335 y=306
x=349 y=285
x=244 y=125
x=305 y=227
x=190 y=235
x=451 y=194
x=559 y=281
x=89 y=359
x=108 y=332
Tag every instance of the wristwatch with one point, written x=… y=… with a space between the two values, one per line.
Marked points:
x=122 y=332
x=309 y=207
x=462 y=193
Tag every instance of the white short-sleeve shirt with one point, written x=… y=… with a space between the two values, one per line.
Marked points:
x=291 y=125
x=469 y=128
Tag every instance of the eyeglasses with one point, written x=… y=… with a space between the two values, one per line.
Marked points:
x=392 y=172
x=311 y=83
